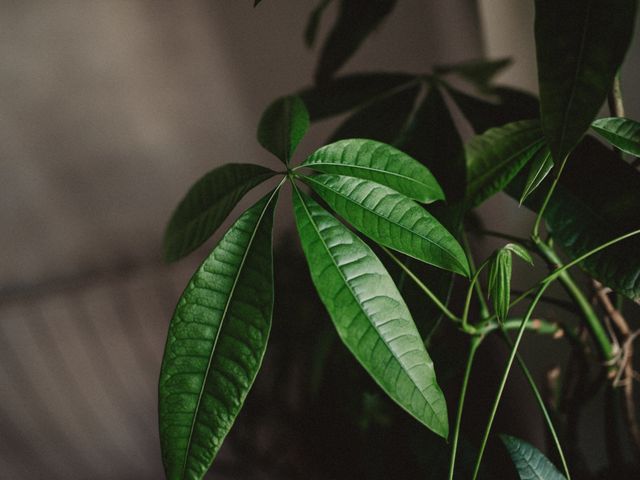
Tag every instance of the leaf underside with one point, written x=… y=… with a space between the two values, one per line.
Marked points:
x=369 y=313
x=215 y=344
x=530 y=463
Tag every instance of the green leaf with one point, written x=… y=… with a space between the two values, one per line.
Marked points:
x=391 y=219
x=282 y=126
x=520 y=251
x=500 y=282
x=207 y=204
x=344 y=93
x=369 y=314
x=311 y=31
x=622 y=133
x=383 y=119
x=530 y=463
x=356 y=20
x=215 y=345
x=495 y=158
x=433 y=139
x=580 y=46
x=379 y=163
x=540 y=167
x=478 y=72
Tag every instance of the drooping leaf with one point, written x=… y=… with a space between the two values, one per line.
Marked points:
x=580 y=45
x=530 y=463
x=344 y=93
x=596 y=200
x=313 y=23
x=508 y=105
x=495 y=158
x=207 y=204
x=433 y=139
x=369 y=313
x=540 y=167
x=382 y=120
x=215 y=344
x=500 y=282
x=379 y=163
x=356 y=20
x=520 y=251
x=622 y=133
x=478 y=72
x=282 y=126
x=391 y=219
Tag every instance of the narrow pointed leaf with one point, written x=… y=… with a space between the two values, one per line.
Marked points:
x=580 y=46
x=382 y=120
x=495 y=158
x=379 y=163
x=530 y=463
x=311 y=30
x=391 y=219
x=540 y=167
x=622 y=133
x=478 y=72
x=282 y=126
x=356 y=20
x=500 y=282
x=520 y=251
x=369 y=314
x=207 y=204
x=344 y=93
x=215 y=344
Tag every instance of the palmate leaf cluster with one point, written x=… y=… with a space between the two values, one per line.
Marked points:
x=396 y=174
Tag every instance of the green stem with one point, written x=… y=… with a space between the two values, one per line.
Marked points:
x=422 y=286
x=475 y=343
x=467 y=302
x=484 y=308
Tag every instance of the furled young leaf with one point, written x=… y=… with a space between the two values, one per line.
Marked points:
x=391 y=219
x=215 y=344
x=356 y=20
x=580 y=45
x=342 y=94
x=311 y=30
x=540 y=167
x=530 y=463
x=622 y=133
x=207 y=204
x=500 y=282
x=495 y=158
x=282 y=126
x=478 y=72
x=433 y=139
x=520 y=251
x=379 y=163
x=369 y=313
x=382 y=120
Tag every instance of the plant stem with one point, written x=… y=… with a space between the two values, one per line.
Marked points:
x=614 y=98
x=467 y=302
x=484 y=308
x=475 y=343
x=422 y=286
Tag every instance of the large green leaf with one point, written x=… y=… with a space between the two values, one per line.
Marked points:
x=391 y=219
x=380 y=163
x=207 y=204
x=356 y=20
x=350 y=91
x=369 y=314
x=580 y=45
x=495 y=158
x=215 y=344
x=383 y=119
x=282 y=126
x=623 y=133
x=530 y=463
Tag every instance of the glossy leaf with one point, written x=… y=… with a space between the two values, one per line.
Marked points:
x=344 y=93
x=369 y=313
x=379 y=163
x=356 y=20
x=478 y=72
x=207 y=204
x=540 y=167
x=530 y=463
x=383 y=119
x=215 y=344
x=282 y=126
x=622 y=133
x=500 y=282
x=433 y=139
x=311 y=31
x=391 y=219
x=495 y=158
x=580 y=45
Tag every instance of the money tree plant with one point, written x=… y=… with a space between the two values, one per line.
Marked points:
x=396 y=185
